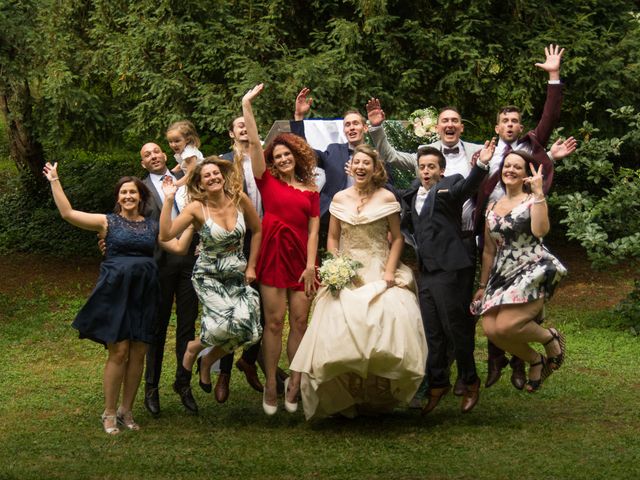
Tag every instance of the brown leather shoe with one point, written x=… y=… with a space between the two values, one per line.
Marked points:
x=459 y=387
x=518 y=375
x=495 y=370
x=434 y=396
x=251 y=374
x=221 y=390
x=470 y=397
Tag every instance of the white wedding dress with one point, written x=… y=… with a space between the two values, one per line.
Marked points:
x=365 y=349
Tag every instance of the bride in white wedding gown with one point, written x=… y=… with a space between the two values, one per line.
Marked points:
x=365 y=349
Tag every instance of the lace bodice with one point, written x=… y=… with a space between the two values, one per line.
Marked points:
x=363 y=235
x=129 y=238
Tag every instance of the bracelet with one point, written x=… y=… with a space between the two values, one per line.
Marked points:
x=482 y=285
x=542 y=200
x=53 y=180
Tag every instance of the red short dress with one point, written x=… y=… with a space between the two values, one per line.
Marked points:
x=285 y=232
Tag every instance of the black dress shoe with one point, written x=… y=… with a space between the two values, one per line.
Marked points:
x=251 y=374
x=518 y=375
x=495 y=370
x=470 y=397
x=184 y=390
x=152 y=400
x=459 y=388
x=221 y=390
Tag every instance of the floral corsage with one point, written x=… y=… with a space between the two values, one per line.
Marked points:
x=424 y=123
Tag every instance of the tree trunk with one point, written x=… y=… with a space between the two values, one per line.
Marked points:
x=24 y=149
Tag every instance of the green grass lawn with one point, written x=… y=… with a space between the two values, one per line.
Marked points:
x=584 y=423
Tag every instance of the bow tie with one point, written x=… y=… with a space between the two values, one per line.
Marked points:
x=422 y=191
x=451 y=151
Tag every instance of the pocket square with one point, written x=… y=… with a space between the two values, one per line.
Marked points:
x=444 y=190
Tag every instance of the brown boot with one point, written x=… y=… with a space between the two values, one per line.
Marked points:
x=470 y=397
x=221 y=390
x=434 y=395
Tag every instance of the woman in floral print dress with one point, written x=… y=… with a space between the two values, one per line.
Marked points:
x=518 y=272
x=221 y=276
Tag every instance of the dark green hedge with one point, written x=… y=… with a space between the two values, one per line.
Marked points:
x=31 y=222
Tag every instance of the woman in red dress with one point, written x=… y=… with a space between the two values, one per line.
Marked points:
x=286 y=268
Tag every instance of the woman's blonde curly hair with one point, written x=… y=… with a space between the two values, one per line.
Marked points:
x=232 y=182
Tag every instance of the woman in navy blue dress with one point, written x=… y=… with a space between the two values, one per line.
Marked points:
x=120 y=312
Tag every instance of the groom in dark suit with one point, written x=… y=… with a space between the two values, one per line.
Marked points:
x=175 y=282
x=432 y=210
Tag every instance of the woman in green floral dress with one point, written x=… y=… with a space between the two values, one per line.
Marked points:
x=221 y=212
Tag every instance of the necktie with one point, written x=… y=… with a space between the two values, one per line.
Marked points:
x=507 y=150
x=451 y=151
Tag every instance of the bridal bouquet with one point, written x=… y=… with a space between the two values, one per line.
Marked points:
x=424 y=123
x=338 y=271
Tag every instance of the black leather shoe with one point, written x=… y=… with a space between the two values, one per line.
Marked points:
x=495 y=370
x=221 y=390
x=459 y=388
x=184 y=390
x=152 y=400
x=251 y=374
x=518 y=375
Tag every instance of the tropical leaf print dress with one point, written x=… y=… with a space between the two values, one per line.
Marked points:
x=230 y=308
x=523 y=270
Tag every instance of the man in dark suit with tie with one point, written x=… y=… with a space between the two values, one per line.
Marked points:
x=432 y=210
x=175 y=282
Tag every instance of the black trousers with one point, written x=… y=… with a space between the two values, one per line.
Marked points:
x=447 y=322
x=175 y=284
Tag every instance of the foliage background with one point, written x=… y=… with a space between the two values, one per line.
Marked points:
x=107 y=75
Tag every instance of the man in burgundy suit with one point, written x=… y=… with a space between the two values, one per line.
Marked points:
x=509 y=129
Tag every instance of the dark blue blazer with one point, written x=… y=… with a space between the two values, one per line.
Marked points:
x=437 y=228
x=332 y=161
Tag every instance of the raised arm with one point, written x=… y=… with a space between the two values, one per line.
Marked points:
x=562 y=148
x=553 y=58
x=403 y=160
x=170 y=229
x=303 y=104
x=95 y=222
x=539 y=213
x=256 y=152
x=553 y=102
x=255 y=225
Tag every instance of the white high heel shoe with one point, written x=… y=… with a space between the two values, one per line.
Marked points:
x=289 y=406
x=268 y=409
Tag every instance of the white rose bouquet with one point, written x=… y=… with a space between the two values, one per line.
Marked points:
x=424 y=123
x=338 y=271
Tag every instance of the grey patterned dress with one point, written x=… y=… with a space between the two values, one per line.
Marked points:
x=230 y=308
x=523 y=269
